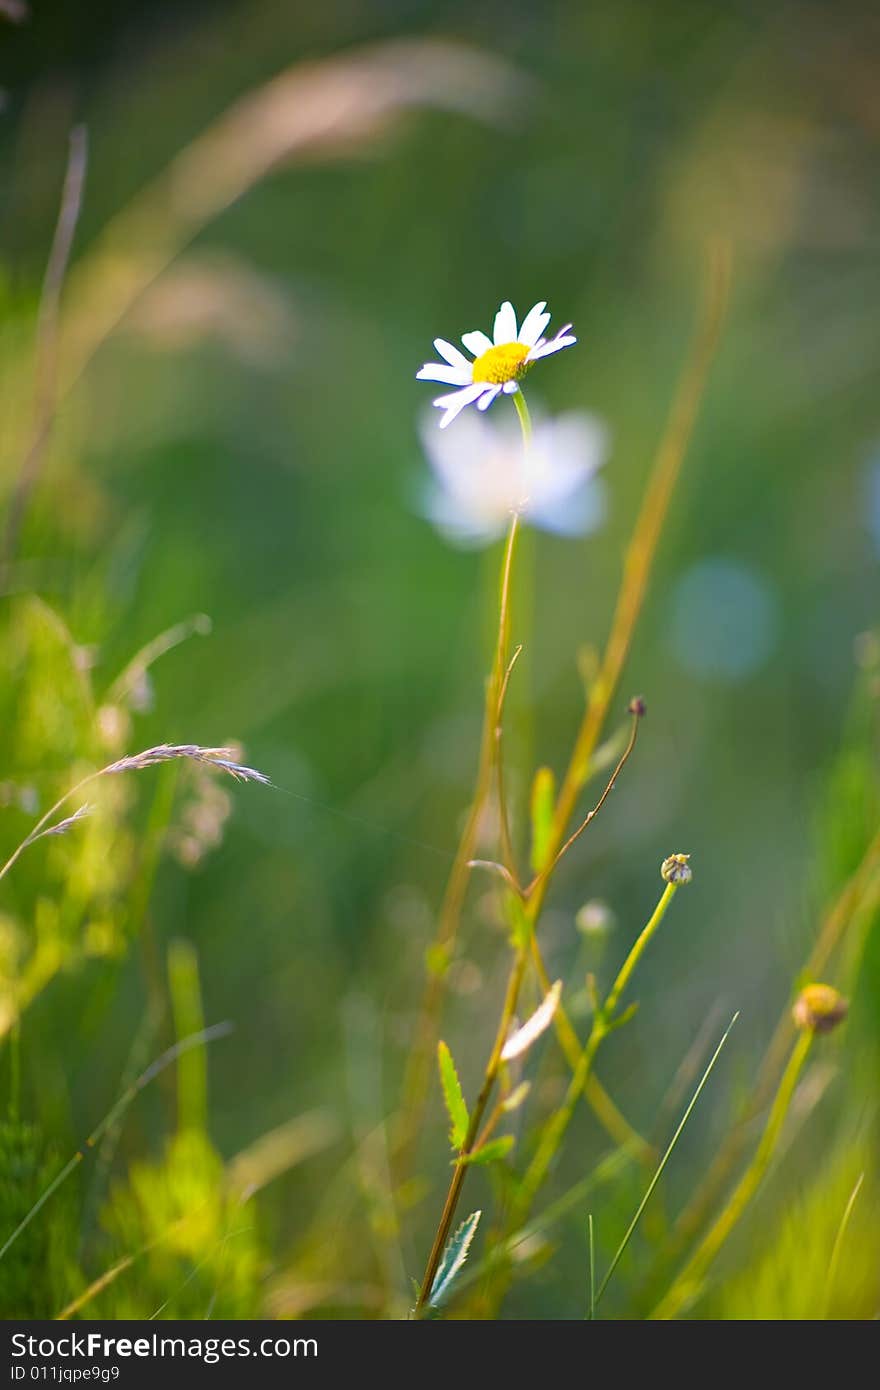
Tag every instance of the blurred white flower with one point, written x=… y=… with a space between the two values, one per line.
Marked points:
x=498 y=365
x=482 y=473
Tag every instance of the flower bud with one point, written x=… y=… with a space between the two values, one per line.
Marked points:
x=637 y=707
x=819 y=1008
x=676 y=869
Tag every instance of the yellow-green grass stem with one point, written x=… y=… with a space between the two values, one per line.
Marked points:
x=415 y=1085
x=639 y=561
x=834 y=1262
x=603 y=1022
x=497 y=689
x=686 y=1288
x=525 y=419
x=618 y=1255
x=859 y=894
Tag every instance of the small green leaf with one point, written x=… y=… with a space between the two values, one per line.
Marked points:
x=492 y=1152
x=543 y=805
x=452 y=1094
x=454 y=1256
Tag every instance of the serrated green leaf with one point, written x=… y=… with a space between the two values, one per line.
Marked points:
x=454 y=1097
x=491 y=1152
x=542 y=807
x=454 y=1256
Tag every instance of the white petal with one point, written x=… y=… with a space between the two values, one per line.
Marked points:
x=505 y=324
x=476 y=342
x=533 y=324
x=488 y=397
x=455 y=402
x=454 y=376
x=510 y=388
x=534 y=1027
x=450 y=354
x=562 y=340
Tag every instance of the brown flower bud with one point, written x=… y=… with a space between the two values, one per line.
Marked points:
x=676 y=869
x=819 y=1008
x=637 y=707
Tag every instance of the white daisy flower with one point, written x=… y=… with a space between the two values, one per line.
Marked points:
x=497 y=366
x=482 y=474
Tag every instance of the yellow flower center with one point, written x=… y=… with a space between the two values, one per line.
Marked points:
x=504 y=363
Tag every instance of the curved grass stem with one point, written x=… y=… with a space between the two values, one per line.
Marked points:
x=603 y=1022
x=834 y=1262
x=859 y=893
x=686 y=1288
x=618 y=1255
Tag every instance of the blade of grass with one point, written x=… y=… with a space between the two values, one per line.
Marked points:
x=46 y=368
x=219 y=1030
x=662 y=1164
x=838 y=1243
x=592 y=1312
x=609 y=1167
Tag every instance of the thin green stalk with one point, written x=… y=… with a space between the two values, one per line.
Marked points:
x=838 y=1244
x=36 y=831
x=189 y=1021
x=415 y=1083
x=638 y=950
x=603 y=1022
x=858 y=894
x=642 y=548
x=592 y=1312
x=607 y=1170
x=600 y=1102
x=415 y=1089
x=689 y=1282
x=662 y=1164
x=218 y=1030
x=15 y=1070
x=525 y=418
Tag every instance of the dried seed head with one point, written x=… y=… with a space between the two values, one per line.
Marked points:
x=676 y=869
x=819 y=1008
x=223 y=758
x=637 y=707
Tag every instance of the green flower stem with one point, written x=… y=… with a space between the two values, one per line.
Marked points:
x=638 y=949
x=494 y=706
x=603 y=1022
x=525 y=419
x=687 y=1286
x=416 y=1079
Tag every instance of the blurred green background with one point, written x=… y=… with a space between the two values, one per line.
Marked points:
x=243 y=444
